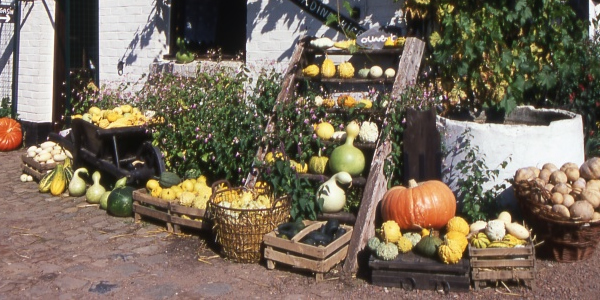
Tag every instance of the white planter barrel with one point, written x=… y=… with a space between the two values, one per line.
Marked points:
x=529 y=137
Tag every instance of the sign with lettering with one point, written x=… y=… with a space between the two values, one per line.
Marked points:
x=6 y=13
x=321 y=11
x=375 y=37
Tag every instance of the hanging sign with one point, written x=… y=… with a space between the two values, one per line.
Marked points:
x=6 y=13
x=375 y=37
x=321 y=11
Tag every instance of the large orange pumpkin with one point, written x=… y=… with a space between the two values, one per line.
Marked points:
x=429 y=204
x=10 y=134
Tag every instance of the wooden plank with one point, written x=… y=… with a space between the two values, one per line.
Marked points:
x=421 y=281
x=34 y=173
x=408 y=69
x=142 y=196
x=416 y=263
x=151 y=212
x=502 y=263
x=503 y=275
x=498 y=252
x=306 y=263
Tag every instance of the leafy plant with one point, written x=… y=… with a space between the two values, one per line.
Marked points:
x=285 y=181
x=470 y=174
x=5 y=107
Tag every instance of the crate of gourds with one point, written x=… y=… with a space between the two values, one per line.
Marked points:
x=241 y=216
x=562 y=206
x=501 y=250
x=43 y=158
x=308 y=245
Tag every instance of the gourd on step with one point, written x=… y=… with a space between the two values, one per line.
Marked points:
x=334 y=197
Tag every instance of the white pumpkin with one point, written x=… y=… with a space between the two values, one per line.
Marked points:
x=375 y=72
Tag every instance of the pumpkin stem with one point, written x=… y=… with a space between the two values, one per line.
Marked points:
x=412 y=183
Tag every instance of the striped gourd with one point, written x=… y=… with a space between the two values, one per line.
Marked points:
x=44 y=185
x=59 y=181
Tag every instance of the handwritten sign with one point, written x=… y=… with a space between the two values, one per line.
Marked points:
x=6 y=13
x=375 y=37
x=321 y=11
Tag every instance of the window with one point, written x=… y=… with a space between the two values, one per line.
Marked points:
x=209 y=26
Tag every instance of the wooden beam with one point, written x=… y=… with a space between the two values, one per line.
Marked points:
x=364 y=227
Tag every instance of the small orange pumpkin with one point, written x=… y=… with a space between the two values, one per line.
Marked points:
x=429 y=204
x=10 y=134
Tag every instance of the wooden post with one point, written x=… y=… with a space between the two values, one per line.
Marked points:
x=408 y=69
x=422 y=146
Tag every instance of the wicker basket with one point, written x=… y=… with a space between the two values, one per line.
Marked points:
x=240 y=231
x=564 y=239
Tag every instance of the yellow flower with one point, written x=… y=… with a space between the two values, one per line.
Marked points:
x=435 y=39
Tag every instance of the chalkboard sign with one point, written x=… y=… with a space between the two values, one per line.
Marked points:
x=375 y=37
x=321 y=11
x=6 y=14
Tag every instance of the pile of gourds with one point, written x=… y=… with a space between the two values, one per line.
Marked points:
x=191 y=192
x=571 y=192
x=120 y=116
x=48 y=152
x=57 y=180
x=499 y=233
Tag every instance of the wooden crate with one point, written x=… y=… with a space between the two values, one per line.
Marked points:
x=145 y=205
x=505 y=264
x=188 y=217
x=411 y=271
x=319 y=259
x=34 y=168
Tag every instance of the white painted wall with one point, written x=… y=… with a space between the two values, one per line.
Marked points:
x=134 y=31
x=275 y=25
x=36 y=57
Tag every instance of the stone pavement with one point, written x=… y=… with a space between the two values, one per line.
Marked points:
x=63 y=248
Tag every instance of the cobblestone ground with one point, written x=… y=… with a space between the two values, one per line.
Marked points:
x=62 y=248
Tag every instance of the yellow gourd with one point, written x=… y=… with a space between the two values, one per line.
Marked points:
x=459 y=238
x=368 y=103
x=458 y=224
x=346 y=70
x=311 y=71
x=390 y=231
x=389 y=42
x=449 y=252
x=168 y=194
x=328 y=68
x=328 y=103
x=404 y=244
x=346 y=101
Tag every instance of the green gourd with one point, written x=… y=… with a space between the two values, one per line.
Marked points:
x=364 y=73
x=428 y=246
x=334 y=197
x=77 y=185
x=95 y=191
x=318 y=164
x=347 y=158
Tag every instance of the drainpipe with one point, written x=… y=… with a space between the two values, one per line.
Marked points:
x=15 y=80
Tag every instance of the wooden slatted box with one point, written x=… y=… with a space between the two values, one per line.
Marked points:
x=319 y=259
x=144 y=205
x=34 y=168
x=411 y=271
x=503 y=264
x=188 y=217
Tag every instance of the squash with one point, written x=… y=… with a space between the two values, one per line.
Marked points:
x=322 y=43
x=347 y=158
x=524 y=174
x=505 y=217
x=367 y=103
x=95 y=191
x=390 y=231
x=459 y=238
x=480 y=241
x=562 y=210
x=369 y=132
x=11 y=135
x=363 y=73
x=120 y=202
x=59 y=182
x=389 y=73
x=568 y=200
x=495 y=230
x=324 y=130
x=517 y=230
x=558 y=177
x=328 y=103
x=346 y=101
x=591 y=196
x=373 y=243
x=450 y=252
x=387 y=251
x=428 y=246
x=311 y=71
x=334 y=197
x=44 y=185
x=413 y=237
x=375 y=72
x=77 y=185
x=404 y=244
x=550 y=167
x=104 y=200
x=430 y=204
x=168 y=179
x=590 y=169
x=300 y=167
x=477 y=226
x=572 y=174
x=318 y=164
x=327 y=68
x=344 y=44
x=458 y=224
x=581 y=211
x=346 y=70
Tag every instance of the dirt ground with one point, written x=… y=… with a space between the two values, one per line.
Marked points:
x=62 y=248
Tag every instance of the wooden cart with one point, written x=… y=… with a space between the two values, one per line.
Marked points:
x=503 y=264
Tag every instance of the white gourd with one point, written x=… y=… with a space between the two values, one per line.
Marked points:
x=95 y=191
x=495 y=230
x=334 y=197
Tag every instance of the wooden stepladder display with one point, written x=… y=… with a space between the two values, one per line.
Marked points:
x=374 y=183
